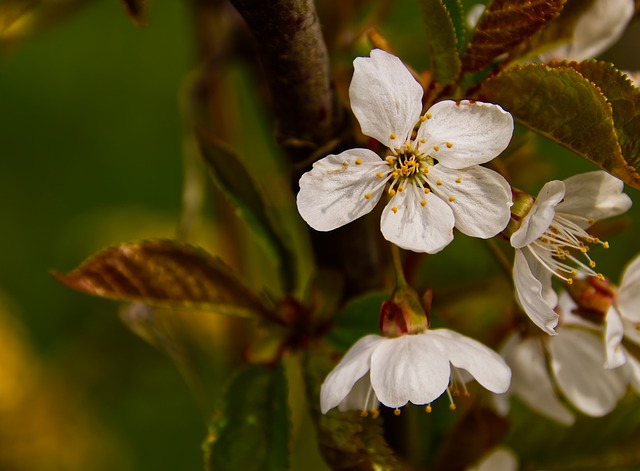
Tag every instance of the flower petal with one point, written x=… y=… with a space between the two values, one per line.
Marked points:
x=577 y=357
x=465 y=133
x=480 y=198
x=614 y=332
x=500 y=459
x=633 y=367
x=385 y=98
x=530 y=292
x=531 y=381
x=361 y=397
x=593 y=196
x=599 y=27
x=539 y=217
x=353 y=366
x=628 y=298
x=485 y=365
x=411 y=226
x=333 y=193
x=410 y=368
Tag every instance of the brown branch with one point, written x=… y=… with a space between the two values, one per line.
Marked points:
x=295 y=59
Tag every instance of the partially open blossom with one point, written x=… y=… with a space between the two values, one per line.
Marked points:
x=432 y=177
x=415 y=365
x=599 y=27
x=552 y=239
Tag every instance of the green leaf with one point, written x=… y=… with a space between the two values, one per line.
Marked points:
x=358 y=318
x=137 y=10
x=252 y=432
x=459 y=21
x=164 y=273
x=231 y=177
x=504 y=25
x=625 y=103
x=346 y=440
x=561 y=104
x=441 y=41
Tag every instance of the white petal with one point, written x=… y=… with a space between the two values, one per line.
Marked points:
x=631 y=331
x=465 y=133
x=410 y=368
x=531 y=381
x=614 y=332
x=599 y=27
x=361 y=397
x=427 y=228
x=385 y=97
x=593 y=195
x=474 y=14
x=539 y=217
x=485 y=365
x=333 y=193
x=633 y=368
x=628 y=298
x=500 y=459
x=353 y=366
x=577 y=357
x=481 y=198
x=529 y=292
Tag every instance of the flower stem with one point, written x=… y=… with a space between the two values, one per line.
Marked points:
x=401 y=281
x=500 y=257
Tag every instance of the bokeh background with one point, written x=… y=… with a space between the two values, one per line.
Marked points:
x=91 y=154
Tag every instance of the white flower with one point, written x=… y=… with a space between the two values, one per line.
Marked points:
x=499 y=459
x=601 y=25
x=552 y=237
x=434 y=179
x=410 y=368
x=571 y=363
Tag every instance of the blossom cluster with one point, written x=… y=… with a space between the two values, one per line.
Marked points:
x=431 y=178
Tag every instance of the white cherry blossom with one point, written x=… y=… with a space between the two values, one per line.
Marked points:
x=432 y=177
x=409 y=368
x=552 y=239
x=598 y=28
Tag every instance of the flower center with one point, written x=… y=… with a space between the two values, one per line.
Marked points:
x=562 y=243
x=408 y=166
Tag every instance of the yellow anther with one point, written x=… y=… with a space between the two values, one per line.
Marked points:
x=569 y=281
x=392 y=191
x=396 y=412
x=429 y=115
x=600 y=276
x=423 y=140
x=458 y=180
x=591 y=221
x=449 y=145
x=426 y=170
x=584 y=249
x=428 y=409
x=427 y=191
x=436 y=148
x=364 y=413
x=423 y=203
x=368 y=196
x=423 y=119
x=452 y=198
x=574 y=272
x=392 y=136
x=379 y=175
x=400 y=188
x=438 y=182
x=408 y=147
x=592 y=264
x=452 y=406
x=605 y=245
x=390 y=159
x=395 y=174
x=375 y=413
x=358 y=161
x=394 y=209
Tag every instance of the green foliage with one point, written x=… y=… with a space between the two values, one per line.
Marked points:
x=252 y=431
x=441 y=41
x=164 y=273
x=347 y=440
x=456 y=12
x=239 y=187
x=504 y=25
x=356 y=319
x=561 y=104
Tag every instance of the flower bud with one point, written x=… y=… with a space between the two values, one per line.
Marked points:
x=404 y=313
x=522 y=204
x=593 y=297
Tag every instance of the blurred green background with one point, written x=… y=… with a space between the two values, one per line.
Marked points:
x=91 y=155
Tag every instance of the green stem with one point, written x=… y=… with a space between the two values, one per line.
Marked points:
x=500 y=257
x=401 y=281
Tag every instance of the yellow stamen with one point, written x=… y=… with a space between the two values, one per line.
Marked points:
x=436 y=148
x=358 y=161
x=394 y=209
x=458 y=180
x=379 y=175
x=428 y=409
x=368 y=196
x=423 y=203
x=392 y=136
x=427 y=191
x=449 y=145
x=375 y=413
x=438 y=182
x=452 y=198
x=392 y=192
x=429 y=115
x=423 y=119
x=396 y=412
